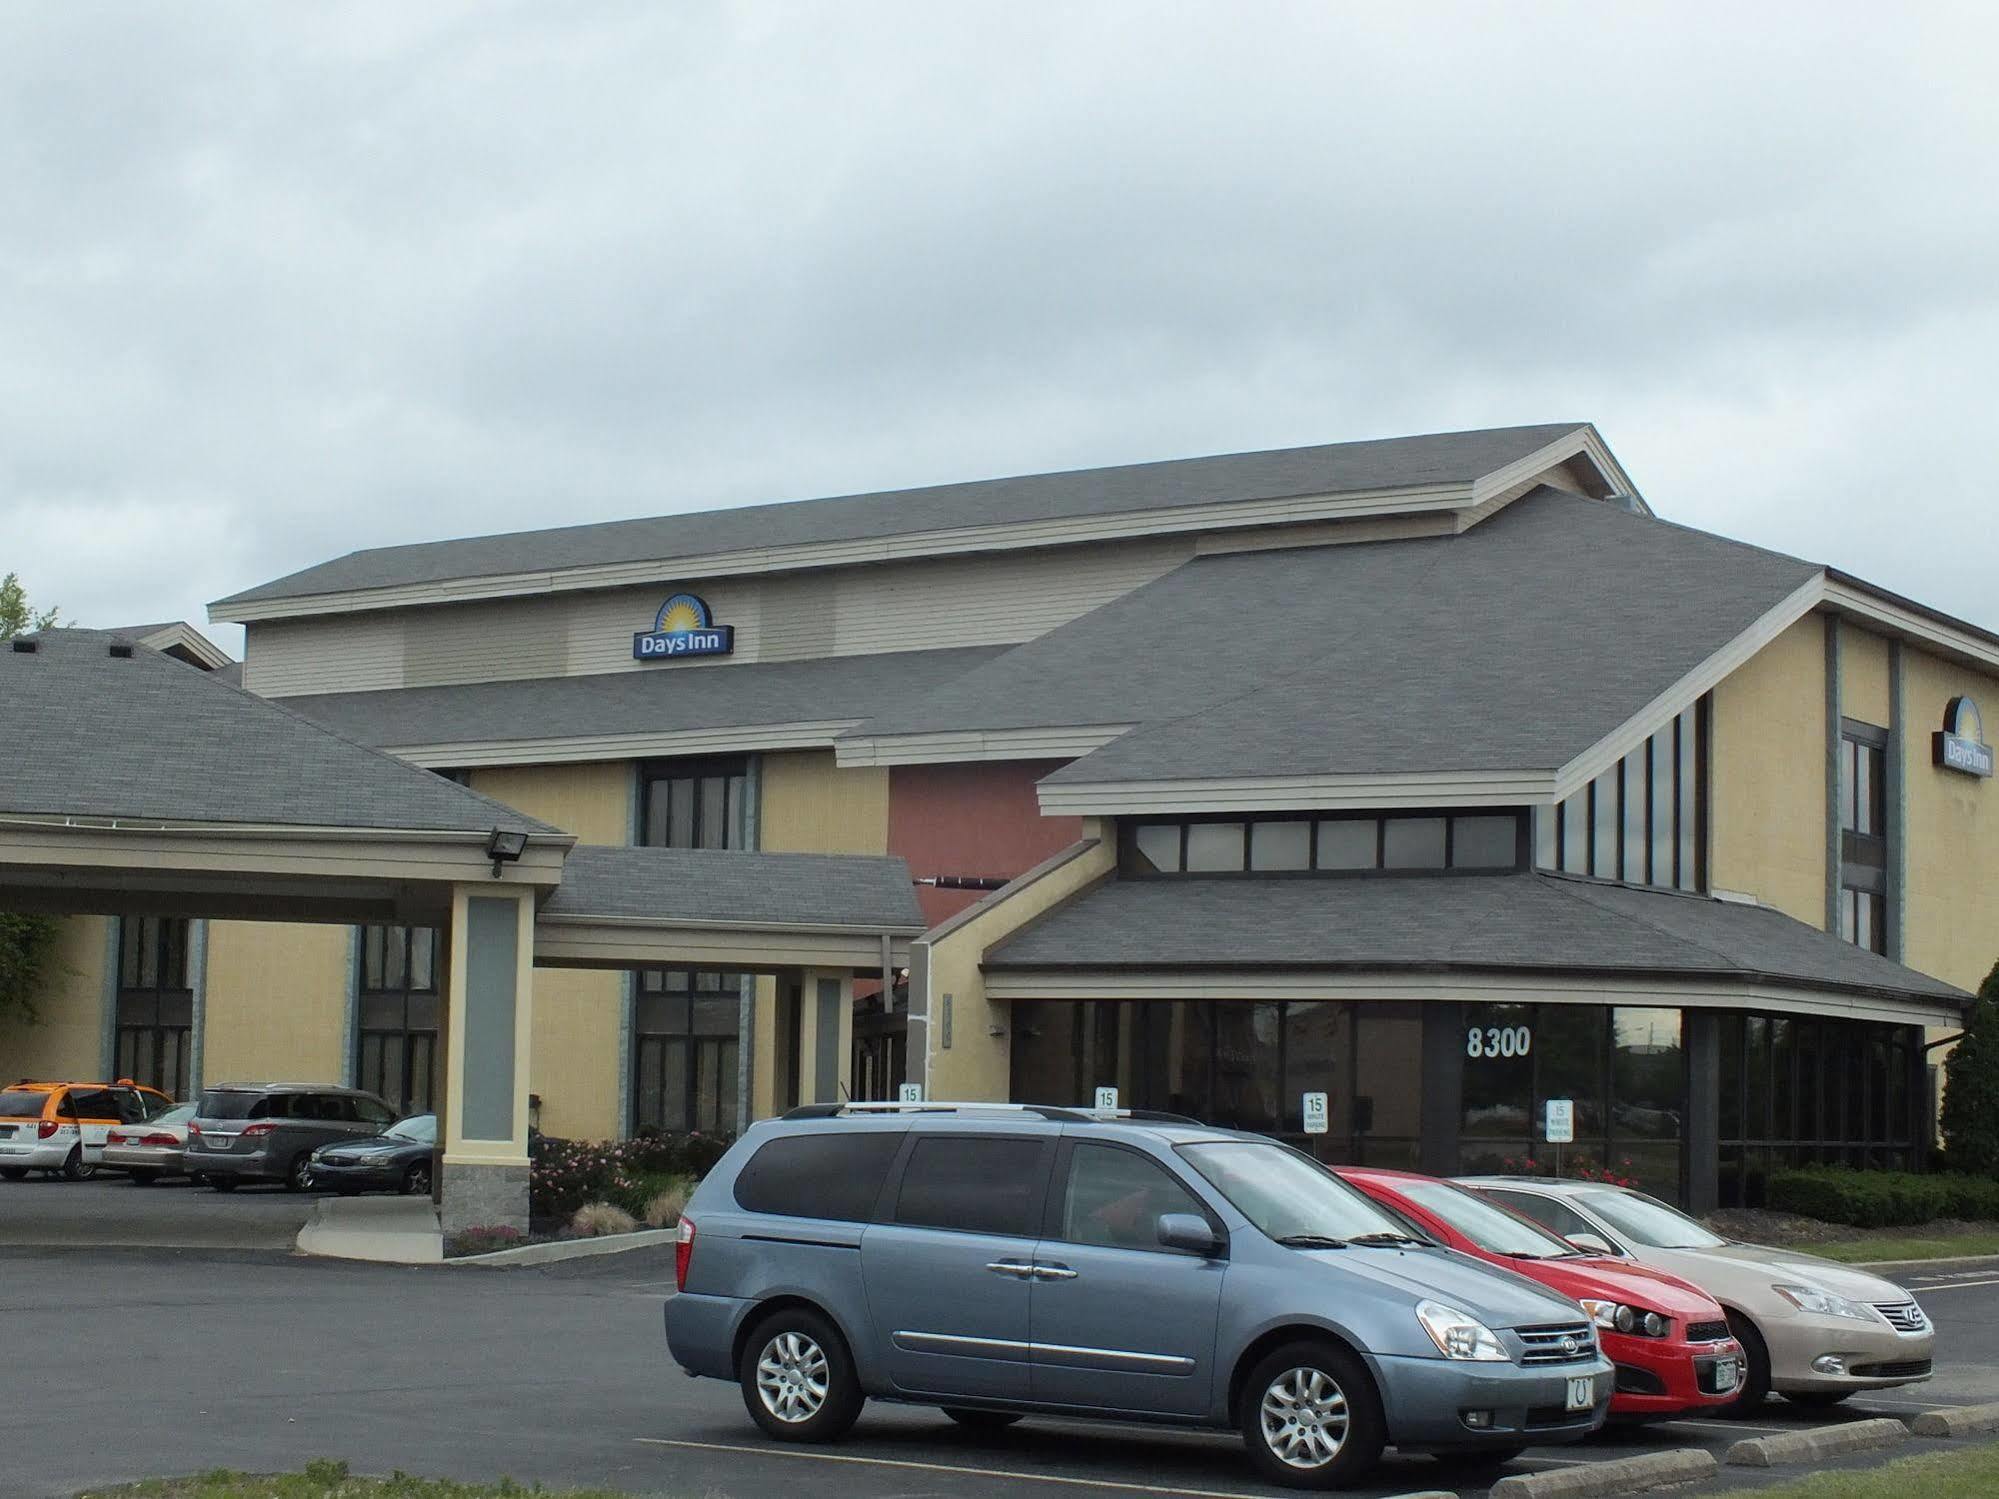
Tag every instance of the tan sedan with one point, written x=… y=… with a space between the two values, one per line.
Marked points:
x=1813 y=1330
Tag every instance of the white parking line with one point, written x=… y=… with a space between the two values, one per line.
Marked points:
x=891 y=1462
x=1958 y=1285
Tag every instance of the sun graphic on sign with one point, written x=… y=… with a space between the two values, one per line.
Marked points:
x=683 y=612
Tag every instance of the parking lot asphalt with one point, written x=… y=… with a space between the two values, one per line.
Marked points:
x=132 y=1362
x=109 y=1210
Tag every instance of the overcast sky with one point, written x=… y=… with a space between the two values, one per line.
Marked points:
x=277 y=283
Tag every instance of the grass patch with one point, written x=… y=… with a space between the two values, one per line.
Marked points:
x=328 y=1479
x=1967 y=1473
x=1851 y=1251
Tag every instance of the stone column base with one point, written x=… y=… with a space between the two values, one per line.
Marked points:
x=483 y=1197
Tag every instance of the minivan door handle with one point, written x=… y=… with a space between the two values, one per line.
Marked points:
x=1015 y=1268
x=1052 y=1272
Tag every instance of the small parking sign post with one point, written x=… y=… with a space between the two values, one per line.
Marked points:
x=1106 y=1100
x=1316 y=1122
x=1560 y=1126
x=909 y=1093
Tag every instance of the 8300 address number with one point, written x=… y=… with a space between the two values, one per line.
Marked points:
x=1498 y=1041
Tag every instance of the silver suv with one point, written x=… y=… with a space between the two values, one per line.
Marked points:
x=1000 y=1261
x=268 y=1131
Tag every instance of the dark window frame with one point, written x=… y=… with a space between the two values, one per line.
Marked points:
x=146 y=1042
x=653 y=1048
x=1130 y=867
x=731 y=770
x=415 y=1045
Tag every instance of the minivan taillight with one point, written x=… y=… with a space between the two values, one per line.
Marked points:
x=258 y=1131
x=46 y=1130
x=683 y=1253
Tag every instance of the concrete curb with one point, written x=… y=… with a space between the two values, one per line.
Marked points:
x=1956 y=1421
x=387 y=1230
x=1425 y=1494
x=1806 y=1446
x=1622 y=1475
x=568 y=1249
x=1952 y=1262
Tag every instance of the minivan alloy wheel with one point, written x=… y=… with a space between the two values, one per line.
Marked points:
x=1304 y=1417
x=792 y=1377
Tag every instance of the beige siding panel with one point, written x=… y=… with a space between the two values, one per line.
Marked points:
x=1863 y=676
x=67 y=1042
x=978 y=1063
x=575 y=1063
x=808 y=805
x=592 y=800
x=348 y=653
x=1951 y=921
x=276 y=1009
x=904 y=606
x=1767 y=775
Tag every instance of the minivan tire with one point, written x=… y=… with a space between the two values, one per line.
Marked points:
x=1335 y=1386
x=75 y=1168
x=809 y=1372
x=14 y=1173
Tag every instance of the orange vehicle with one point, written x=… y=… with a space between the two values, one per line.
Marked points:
x=59 y=1128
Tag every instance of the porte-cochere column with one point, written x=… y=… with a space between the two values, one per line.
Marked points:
x=487 y=1025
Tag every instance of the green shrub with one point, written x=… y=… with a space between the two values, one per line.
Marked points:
x=1970 y=1119
x=1881 y=1199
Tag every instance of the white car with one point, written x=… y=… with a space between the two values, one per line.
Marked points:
x=1813 y=1330
x=146 y=1152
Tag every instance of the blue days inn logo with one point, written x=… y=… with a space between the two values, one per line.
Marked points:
x=683 y=628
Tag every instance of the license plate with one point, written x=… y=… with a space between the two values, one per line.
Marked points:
x=1725 y=1374
x=216 y=1142
x=1582 y=1393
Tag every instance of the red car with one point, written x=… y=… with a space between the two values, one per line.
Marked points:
x=1669 y=1339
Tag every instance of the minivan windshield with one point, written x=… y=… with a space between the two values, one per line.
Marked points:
x=1649 y=1221
x=1291 y=1198
x=1489 y=1226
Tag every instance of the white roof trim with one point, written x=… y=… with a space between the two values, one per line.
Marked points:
x=956 y=541
x=739 y=739
x=1056 y=743
x=1962 y=643
x=1585 y=442
x=1451 y=788
x=211 y=656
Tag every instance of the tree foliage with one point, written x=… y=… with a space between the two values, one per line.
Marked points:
x=1971 y=1086
x=25 y=941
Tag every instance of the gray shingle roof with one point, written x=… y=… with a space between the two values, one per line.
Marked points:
x=1515 y=645
x=1437 y=458
x=1522 y=921
x=732 y=888
x=144 y=738
x=639 y=702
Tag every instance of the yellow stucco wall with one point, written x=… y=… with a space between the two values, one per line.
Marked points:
x=593 y=800
x=276 y=1007
x=808 y=805
x=577 y=1014
x=1951 y=909
x=1767 y=776
x=68 y=1039
x=976 y=1065
x=1863 y=676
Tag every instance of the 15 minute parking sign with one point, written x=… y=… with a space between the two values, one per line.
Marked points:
x=1315 y=1114
x=1561 y=1121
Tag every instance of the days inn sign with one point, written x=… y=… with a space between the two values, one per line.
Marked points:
x=1961 y=745
x=683 y=627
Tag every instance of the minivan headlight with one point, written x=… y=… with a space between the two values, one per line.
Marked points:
x=1824 y=1303
x=1459 y=1335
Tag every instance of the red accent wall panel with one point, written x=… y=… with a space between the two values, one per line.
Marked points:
x=980 y=820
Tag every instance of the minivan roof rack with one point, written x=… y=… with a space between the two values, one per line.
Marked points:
x=1058 y=1113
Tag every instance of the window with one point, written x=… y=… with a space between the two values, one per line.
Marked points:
x=686 y=1048
x=693 y=803
x=92 y=1103
x=1640 y=820
x=1557 y=1217
x=832 y=1175
x=1115 y=1199
x=985 y=1184
x=1284 y=844
x=367 y=1111
x=1863 y=835
x=396 y=1044
x=155 y=1005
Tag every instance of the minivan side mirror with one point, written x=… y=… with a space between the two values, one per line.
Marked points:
x=1591 y=1244
x=1190 y=1232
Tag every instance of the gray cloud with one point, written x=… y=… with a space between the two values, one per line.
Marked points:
x=276 y=284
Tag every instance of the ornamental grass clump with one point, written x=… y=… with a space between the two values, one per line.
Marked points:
x=595 y=1219
x=666 y=1207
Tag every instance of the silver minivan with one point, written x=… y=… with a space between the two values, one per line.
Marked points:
x=1003 y=1261
x=268 y=1131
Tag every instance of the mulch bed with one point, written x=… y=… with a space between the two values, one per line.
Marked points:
x=1762 y=1226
